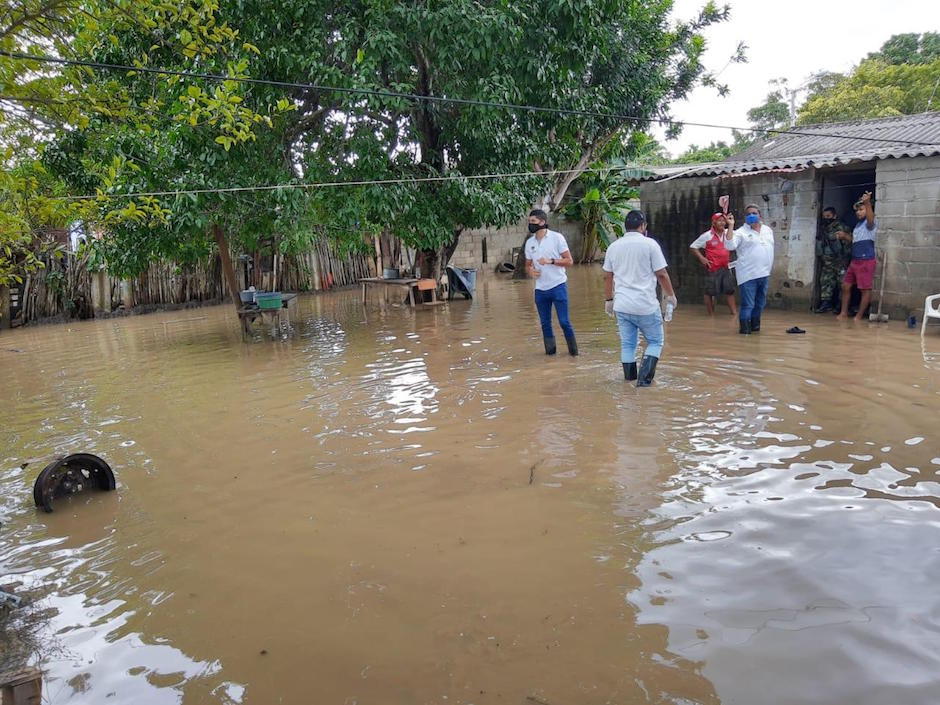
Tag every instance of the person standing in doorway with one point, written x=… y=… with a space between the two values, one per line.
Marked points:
x=754 y=243
x=834 y=256
x=861 y=271
x=546 y=257
x=632 y=266
x=718 y=278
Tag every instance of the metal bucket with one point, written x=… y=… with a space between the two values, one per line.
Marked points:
x=391 y=274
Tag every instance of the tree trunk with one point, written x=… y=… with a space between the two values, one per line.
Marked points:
x=431 y=263
x=519 y=272
x=227 y=267
x=4 y=307
x=588 y=241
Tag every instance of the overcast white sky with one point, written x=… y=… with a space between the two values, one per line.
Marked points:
x=792 y=40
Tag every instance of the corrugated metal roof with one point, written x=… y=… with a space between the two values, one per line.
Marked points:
x=832 y=145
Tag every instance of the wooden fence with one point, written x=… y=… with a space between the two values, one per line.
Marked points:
x=67 y=288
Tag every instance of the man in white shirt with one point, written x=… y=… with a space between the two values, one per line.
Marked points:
x=632 y=266
x=754 y=243
x=546 y=257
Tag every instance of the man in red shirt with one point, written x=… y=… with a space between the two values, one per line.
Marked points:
x=719 y=281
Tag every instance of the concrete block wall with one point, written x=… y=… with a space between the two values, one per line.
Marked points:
x=908 y=212
x=680 y=210
x=501 y=241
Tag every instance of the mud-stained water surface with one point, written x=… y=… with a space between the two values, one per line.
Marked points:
x=419 y=507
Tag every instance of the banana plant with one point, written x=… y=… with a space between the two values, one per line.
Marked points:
x=609 y=192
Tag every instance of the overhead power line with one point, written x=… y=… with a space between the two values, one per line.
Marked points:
x=436 y=99
x=413 y=181
x=365 y=182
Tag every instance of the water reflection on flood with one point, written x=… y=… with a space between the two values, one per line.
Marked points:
x=400 y=507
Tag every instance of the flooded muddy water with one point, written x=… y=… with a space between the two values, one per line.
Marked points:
x=408 y=507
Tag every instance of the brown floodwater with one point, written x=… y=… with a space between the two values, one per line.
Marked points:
x=400 y=507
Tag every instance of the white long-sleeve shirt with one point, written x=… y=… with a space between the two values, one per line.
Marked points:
x=755 y=250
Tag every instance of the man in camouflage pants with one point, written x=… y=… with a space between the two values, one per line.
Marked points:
x=834 y=256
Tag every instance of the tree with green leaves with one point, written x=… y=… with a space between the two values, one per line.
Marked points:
x=873 y=90
x=716 y=151
x=624 y=61
x=608 y=194
x=909 y=49
x=775 y=112
x=128 y=118
x=901 y=78
x=612 y=58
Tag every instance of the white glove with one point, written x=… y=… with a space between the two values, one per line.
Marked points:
x=672 y=300
x=609 y=308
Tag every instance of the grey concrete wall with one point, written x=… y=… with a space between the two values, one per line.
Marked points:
x=680 y=210
x=908 y=212
x=501 y=241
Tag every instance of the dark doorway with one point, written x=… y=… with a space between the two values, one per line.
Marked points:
x=840 y=189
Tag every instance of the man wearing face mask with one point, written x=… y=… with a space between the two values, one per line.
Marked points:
x=546 y=257
x=754 y=243
x=833 y=255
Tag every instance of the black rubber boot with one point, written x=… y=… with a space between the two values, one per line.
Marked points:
x=549 y=346
x=572 y=345
x=755 y=324
x=647 y=371
x=629 y=371
x=745 y=327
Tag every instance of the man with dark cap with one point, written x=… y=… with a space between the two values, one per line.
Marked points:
x=632 y=266
x=546 y=257
x=834 y=255
x=709 y=249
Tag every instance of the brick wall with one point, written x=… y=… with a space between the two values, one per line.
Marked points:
x=908 y=211
x=501 y=241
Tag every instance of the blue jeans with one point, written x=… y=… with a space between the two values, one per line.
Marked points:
x=651 y=326
x=753 y=298
x=557 y=295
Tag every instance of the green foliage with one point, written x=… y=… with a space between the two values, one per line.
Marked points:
x=22 y=211
x=909 y=49
x=899 y=79
x=607 y=196
x=716 y=151
x=110 y=133
x=875 y=89
x=772 y=114
x=597 y=55
x=50 y=113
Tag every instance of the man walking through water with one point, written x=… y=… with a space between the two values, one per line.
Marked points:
x=861 y=271
x=754 y=243
x=546 y=256
x=632 y=266
x=719 y=281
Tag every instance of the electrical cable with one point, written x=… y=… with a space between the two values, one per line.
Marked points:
x=412 y=181
x=437 y=99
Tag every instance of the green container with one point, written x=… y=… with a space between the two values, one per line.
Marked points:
x=269 y=300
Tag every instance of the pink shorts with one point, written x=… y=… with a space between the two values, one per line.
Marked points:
x=861 y=273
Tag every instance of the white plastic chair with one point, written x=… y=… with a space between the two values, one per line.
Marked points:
x=931 y=310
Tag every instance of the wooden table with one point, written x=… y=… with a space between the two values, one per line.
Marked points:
x=274 y=316
x=407 y=284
